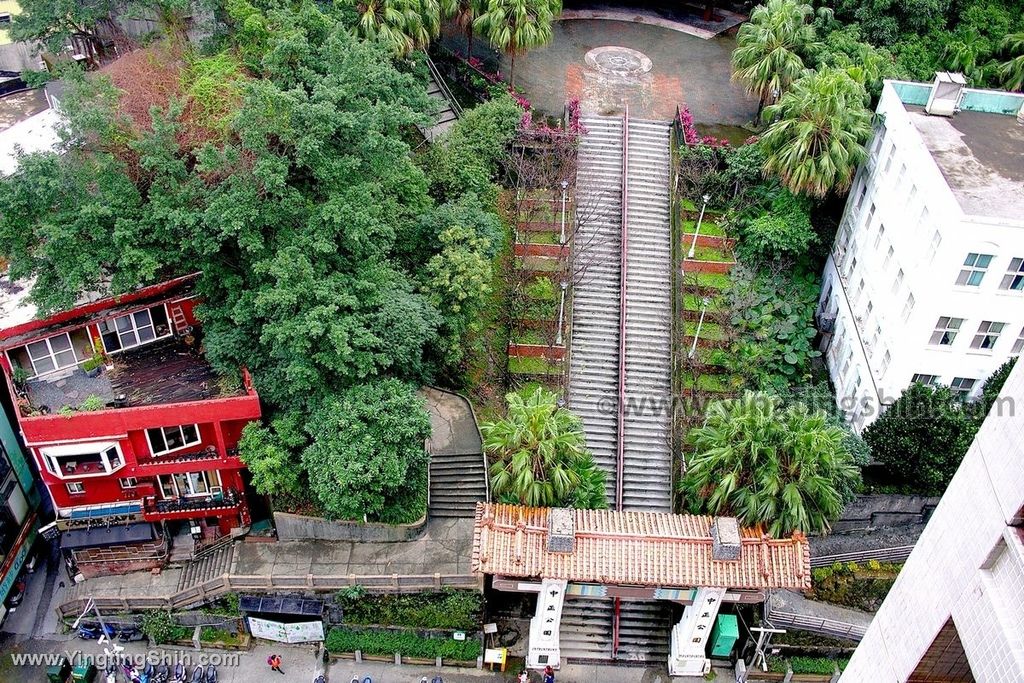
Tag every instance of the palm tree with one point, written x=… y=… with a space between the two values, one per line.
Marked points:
x=780 y=467
x=401 y=25
x=817 y=132
x=516 y=25
x=1012 y=71
x=770 y=48
x=465 y=13
x=539 y=455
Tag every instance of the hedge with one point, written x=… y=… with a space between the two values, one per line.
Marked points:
x=408 y=644
x=447 y=609
x=853 y=585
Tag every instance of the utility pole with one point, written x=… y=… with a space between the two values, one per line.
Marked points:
x=696 y=234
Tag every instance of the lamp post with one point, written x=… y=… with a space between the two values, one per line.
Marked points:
x=696 y=234
x=696 y=336
x=561 y=312
x=565 y=188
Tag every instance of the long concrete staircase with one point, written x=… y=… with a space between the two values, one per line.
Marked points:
x=209 y=566
x=457 y=483
x=594 y=363
x=448 y=107
x=647 y=452
x=587 y=631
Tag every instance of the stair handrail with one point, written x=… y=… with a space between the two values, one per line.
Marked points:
x=446 y=92
x=623 y=266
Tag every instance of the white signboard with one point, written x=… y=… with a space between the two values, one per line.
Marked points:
x=302 y=632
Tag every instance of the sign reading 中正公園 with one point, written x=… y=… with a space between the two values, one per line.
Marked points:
x=302 y=632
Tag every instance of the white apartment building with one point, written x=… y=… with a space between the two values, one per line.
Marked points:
x=926 y=278
x=956 y=612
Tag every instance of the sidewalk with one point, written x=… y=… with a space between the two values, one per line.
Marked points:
x=301 y=666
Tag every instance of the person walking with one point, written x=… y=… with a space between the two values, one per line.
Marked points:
x=523 y=677
x=549 y=675
x=275 y=663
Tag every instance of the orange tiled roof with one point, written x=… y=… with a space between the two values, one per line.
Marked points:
x=637 y=548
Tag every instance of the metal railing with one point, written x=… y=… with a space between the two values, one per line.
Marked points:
x=820 y=625
x=894 y=554
x=229 y=583
x=443 y=86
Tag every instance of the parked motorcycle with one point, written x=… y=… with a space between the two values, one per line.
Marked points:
x=180 y=673
x=93 y=631
x=111 y=674
x=211 y=673
x=162 y=674
x=147 y=673
x=198 y=676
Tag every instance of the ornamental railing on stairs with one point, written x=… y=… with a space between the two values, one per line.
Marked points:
x=443 y=87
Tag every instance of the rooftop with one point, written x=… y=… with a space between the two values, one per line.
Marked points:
x=163 y=372
x=634 y=548
x=979 y=150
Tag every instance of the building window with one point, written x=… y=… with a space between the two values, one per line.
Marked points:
x=184 y=484
x=888 y=257
x=861 y=194
x=1018 y=345
x=974 y=269
x=1014 y=278
x=897 y=282
x=879 y=235
x=945 y=331
x=988 y=335
x=860 y=290
x=962 y=387
x=908 y=307
x=886 y=359
x=128 y=482
x=889 y=158
x=80 y=460
x=51 y=354
x=934 y=248
x=927 y=380
x=164 y=440
x=871 y=214
x=913 y=193
x=75 y=487
x=135 y=329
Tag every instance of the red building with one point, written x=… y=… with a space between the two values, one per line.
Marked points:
x=133 y=433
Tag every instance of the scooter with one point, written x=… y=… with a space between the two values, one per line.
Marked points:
x=179 y=673
x=197 y=675
x=211 y=673
x=146 y=675
x=93 y=632
x=111 y=674
x=161 y=675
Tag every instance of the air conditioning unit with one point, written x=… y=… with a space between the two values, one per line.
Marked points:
x=947 y=91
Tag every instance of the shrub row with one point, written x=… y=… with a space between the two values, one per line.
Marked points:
x=447 y=609
x=853 y=585
x=407 y=644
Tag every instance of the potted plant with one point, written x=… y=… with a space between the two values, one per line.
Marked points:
x=92 y=366
x=20 y=376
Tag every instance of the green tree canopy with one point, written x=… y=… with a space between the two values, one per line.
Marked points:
x=1012 y=70
x=771 y=47
x=816 y=135
x=513 y=26
x=55 y=23
x=784 y=467
x=539 y=455
x=367 y=455
x=921 y=438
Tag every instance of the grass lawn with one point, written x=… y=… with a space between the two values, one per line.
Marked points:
x=531 y=337
x=712 y=383
x=533 y=366
x=689 y=205
x=711 y=280
x=692 y=302
x=545 y=237
x=706 y=228
x=540 y=264
x=707 y=331
x=714 y=357
x=709 y=254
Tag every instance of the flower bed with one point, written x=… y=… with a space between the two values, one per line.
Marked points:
x=406 y=643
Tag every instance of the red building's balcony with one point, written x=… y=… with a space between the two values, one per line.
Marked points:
x=201 y=460
x=212 y=505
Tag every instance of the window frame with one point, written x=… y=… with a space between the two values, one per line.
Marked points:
x=211 y=479
x=970 y=268
x=1018 y=344
x=1013 y=280
x=943 y=327
x=72 y=485
x=113 y=328
x=985 y=333
x=128 y=482
x=51 y=354
x=181 y=434
x=920 y=377
x=109 y=453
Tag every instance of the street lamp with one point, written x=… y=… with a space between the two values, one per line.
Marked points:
x=693 y=245
x=696 y=335
x=565 y=187
x=561 y=312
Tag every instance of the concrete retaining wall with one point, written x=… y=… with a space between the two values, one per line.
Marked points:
x=874 y=511
x=291 y=527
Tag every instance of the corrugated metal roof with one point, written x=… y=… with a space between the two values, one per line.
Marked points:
x=635 y=548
